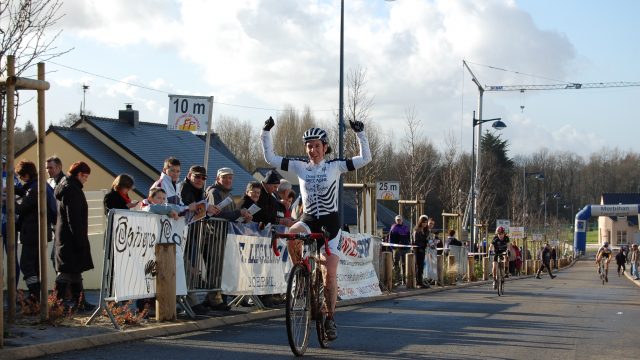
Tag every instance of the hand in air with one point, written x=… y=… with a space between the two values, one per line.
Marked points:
x=357 y=126
x=268 y=124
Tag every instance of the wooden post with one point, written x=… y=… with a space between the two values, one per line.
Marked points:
x=471 y=266
x=410 y=270
x=387 y=259
x=11 y=196
x=485 y=268
x=42 y=200
x=440 y=269
x=166 y=282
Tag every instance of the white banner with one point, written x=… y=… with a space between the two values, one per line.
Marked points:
x=251 y=268
x=430 y=270
x=460 y=253
x=134 y=236
x=356 y=276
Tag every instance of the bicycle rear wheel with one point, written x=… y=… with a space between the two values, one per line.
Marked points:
x=318 y=303
x=500 y=280
x=298 y=314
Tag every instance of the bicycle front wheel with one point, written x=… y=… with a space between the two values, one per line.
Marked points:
x=298 y=314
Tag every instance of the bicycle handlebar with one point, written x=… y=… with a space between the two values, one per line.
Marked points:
x=300 y=236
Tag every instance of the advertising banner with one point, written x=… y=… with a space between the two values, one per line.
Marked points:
x=356 y=276
x=134 y=236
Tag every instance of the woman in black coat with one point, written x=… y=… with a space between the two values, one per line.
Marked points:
x=421 y=240
x=27 y=225
x=73 y=251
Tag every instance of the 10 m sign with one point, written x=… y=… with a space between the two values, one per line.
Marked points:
x=189 y=113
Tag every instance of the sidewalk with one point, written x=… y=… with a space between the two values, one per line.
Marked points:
x=27 y=339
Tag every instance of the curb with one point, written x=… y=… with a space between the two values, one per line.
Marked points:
x=39 y=350
x=630 y=277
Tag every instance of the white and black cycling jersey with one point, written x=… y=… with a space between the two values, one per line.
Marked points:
x=318 y=182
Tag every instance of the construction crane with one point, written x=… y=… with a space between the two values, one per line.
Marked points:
x=470 y=214
x=567 y=86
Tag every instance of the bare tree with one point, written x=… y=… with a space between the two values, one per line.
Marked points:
x=23 y=31
x=241 y=139
x=419 y=161
x=452 y=190
x=287 y=134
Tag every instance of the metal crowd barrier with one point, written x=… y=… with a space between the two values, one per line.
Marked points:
x=204 y=254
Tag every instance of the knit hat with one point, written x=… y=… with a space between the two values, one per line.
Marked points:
x=272 y=177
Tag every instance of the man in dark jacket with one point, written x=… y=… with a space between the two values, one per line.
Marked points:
x=546 y=261
x=399 y=234
x=221 y=190
x=28 y=219
x=272 y=211
x=73 y=251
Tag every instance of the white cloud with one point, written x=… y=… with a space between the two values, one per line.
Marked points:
x=268 y=53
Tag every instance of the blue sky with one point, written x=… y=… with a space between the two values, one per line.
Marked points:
x=267 y=54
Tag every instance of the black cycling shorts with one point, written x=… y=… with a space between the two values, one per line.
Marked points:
x=496 y=256
x=330 y=221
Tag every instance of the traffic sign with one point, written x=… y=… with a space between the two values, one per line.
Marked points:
x=189 y=113
x=388 y=190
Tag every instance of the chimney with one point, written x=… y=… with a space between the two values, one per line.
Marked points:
x=129 y=115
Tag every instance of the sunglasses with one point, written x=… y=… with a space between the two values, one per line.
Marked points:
x=200 y=177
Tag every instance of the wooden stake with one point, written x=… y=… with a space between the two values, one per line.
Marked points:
x=410 y=270
x=166 y=282
x=42 y=199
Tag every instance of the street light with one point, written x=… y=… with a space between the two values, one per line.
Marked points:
x=475 y=189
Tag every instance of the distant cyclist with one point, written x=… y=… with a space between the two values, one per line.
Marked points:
x=319 y=181
x=604 y=252
x=499 y=245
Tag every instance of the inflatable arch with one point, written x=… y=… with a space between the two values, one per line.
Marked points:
x=580 y=234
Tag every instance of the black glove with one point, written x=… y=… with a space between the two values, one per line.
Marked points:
x=268 y=124
x=357 y=126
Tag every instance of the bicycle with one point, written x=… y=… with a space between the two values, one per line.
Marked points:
x=602 y=271
x=500 y=275
x=305 y=291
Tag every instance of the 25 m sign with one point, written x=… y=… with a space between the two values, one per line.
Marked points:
x=189 y=113
x=388 y=190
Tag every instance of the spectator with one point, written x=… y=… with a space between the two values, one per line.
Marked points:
x=634 y=259
x=420 y=241
x=16 y=183
x=216 y=194
x=193 y=189
x=118 y=196
x=73 y=251
x=268 y=204
x=251 y=196
x=512 y=259
x=554 y=258
x=451 y=239
x=27 y=225
x=399 y=235
x=169 y=181
x=156 y=203
x=621 y=259
x=545 y=256
x=518 y=253
x=192 y=192
x=288 y=204
x=54 y=169
x=220 y=191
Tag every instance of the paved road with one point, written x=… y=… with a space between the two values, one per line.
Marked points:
x=570 y=317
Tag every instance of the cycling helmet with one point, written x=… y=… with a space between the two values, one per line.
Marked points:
x=315 y=134
x=606 y=244
x=500 y=230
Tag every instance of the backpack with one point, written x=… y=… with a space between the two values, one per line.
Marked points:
x=52 y=206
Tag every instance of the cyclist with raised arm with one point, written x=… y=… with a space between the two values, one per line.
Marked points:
x=499 y=246
x=604 y=252
x=319 y=180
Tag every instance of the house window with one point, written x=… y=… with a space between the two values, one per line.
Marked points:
x=621 y=237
